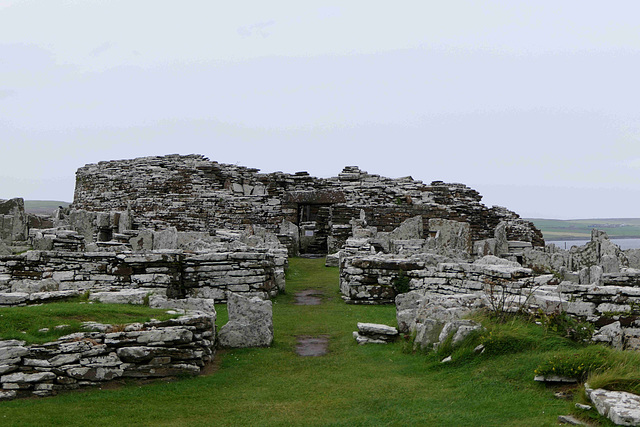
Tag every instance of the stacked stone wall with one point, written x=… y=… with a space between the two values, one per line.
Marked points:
x=195 y=194
x=175 y=274
x=371 y=280
x=155 y=349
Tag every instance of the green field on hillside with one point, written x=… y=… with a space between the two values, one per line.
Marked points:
x=576 y=229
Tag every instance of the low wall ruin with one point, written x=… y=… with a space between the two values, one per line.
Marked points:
x=155 y=349
x=372 y=279
x=174 y=273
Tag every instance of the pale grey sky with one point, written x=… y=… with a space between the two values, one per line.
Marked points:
x=535 y=104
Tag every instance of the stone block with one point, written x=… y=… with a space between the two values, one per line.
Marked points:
x=250 y=323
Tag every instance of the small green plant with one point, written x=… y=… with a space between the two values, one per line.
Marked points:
x=84 y=297
x=401 y=283
x=577 y=364
x=566 y=325
x=145 y=300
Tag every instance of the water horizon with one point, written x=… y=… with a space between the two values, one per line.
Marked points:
x=624 y=242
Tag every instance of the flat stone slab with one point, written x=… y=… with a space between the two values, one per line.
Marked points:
x=376 y=329
x=619 y=406
x=362 y=340
x=309 y=346
x=554 y=379
x=308 y=297
x=570 y=419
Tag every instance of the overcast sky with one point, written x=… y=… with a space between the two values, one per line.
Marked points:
x=535 y=104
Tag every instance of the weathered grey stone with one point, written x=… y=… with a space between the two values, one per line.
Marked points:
x=376 y=329
x=30 y=286
x=8 y=395
x=333 y=260
x=21 y=377
x=570 y=419
x=13 y=221
x=143 y=241
x=451 y=236
x=95 y=374
x=555 y=379
x=125 y=296
x=135 y=354
x=205 y=305
x=4 y=250
x=459 y=330
x=250 y=323
x=5 y=369
x=165 y=239
x=64 y=359
x=362 y=339
x=427 y=333
x=13 y=298
x=620 y=407
x=611 y=334
x=12 y=351
x=170 y=335
x=500 y=236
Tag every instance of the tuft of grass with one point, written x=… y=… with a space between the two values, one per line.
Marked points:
x=621 y=374
x=576 y=364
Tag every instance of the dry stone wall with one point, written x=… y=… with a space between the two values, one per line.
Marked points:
x=154 y=349
x=373 y=279
x=193 y=193
x=43 y=275
x=503 y=284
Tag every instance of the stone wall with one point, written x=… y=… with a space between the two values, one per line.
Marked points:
x=193 y=193
x=373 y=279
x=174 y=273
x=155 y=349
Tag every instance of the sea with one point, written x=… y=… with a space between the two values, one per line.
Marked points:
x=632 y=243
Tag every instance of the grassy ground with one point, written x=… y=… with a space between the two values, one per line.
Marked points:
x=24 y=323
x=352 y=385
x=555 y=229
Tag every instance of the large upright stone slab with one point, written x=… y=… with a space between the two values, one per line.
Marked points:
x=165 y=239
x=250 y=323
x=13 y=221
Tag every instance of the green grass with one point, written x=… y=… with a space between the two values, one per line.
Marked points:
x=351 y=386
x=555 y=229
x=24 y=323
x=43 y=206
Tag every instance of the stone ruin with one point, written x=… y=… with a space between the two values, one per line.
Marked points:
x=186 y=227
x=184 y=232
x=309 y=215
x=432 y=280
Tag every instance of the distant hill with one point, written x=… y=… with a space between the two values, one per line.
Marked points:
x=43 y=207
x=580 y=229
